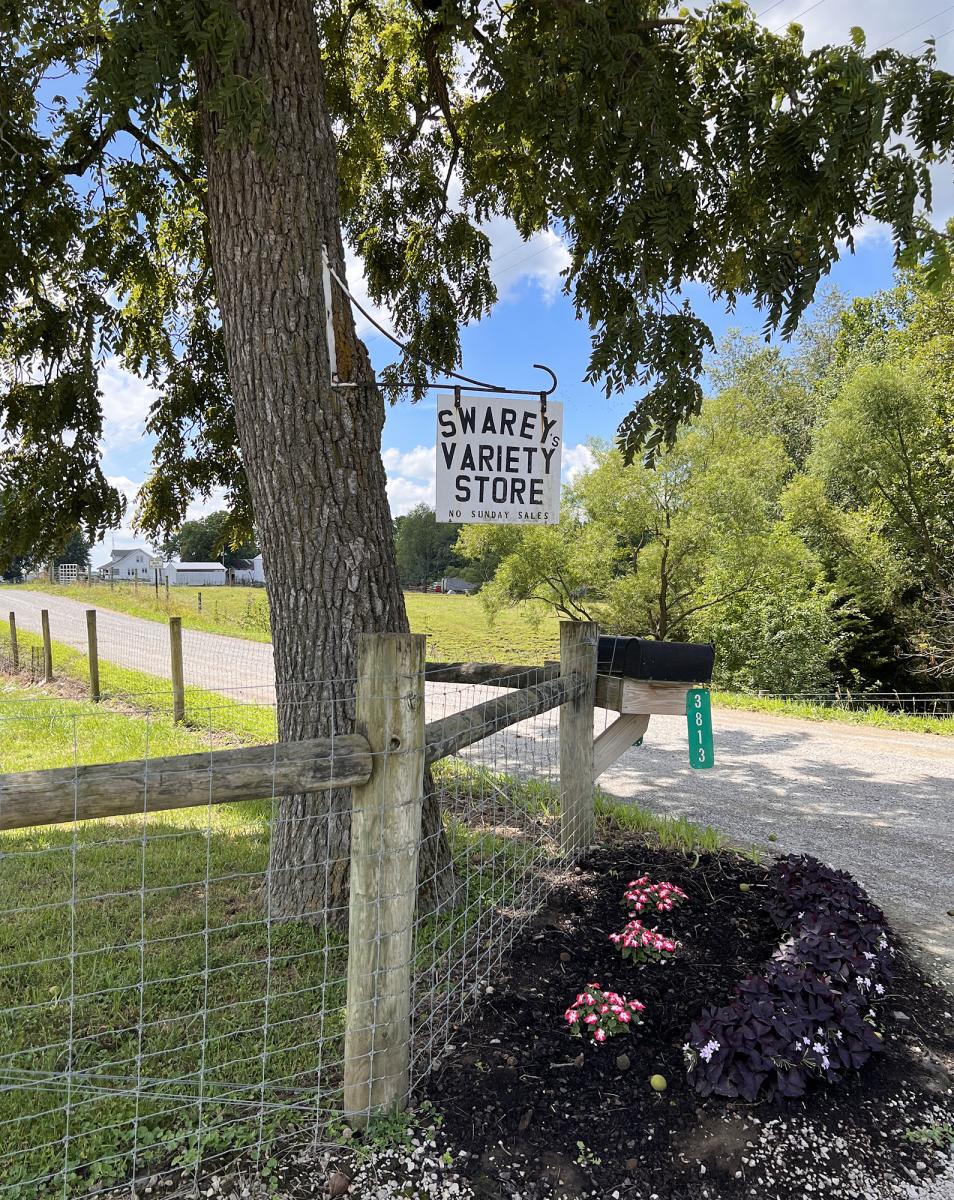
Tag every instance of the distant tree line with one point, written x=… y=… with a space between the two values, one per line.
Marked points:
x=426 y=550
x=209 y=539
x=75 y=550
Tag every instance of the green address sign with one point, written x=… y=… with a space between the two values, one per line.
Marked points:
x=699 y=714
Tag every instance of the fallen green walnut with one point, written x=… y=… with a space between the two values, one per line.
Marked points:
x=658 y=1083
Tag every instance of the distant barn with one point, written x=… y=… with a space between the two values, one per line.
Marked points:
x=195 y=574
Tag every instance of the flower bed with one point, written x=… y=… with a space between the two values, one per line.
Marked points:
x=530 y=1111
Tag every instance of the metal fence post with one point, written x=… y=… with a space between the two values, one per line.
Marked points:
x=14 y=646
x=47 y=646
x=385 y=840
x=577 y=779
x=92 y=648
x=176 y=669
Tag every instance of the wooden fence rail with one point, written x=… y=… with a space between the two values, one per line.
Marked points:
x=182 y=781
x=82 y=793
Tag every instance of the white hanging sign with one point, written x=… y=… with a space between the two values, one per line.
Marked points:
x=498 y=460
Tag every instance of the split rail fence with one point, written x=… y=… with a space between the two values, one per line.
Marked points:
x=162 y=1009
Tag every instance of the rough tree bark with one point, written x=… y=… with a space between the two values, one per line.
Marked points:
x=311 y=452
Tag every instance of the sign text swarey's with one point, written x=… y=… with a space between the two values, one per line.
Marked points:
x=498 y=460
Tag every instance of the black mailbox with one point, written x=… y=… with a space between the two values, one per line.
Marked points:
x=670 y=662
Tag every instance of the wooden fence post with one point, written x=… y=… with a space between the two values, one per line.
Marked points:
x=178 y=676
x=92 y=648
x=577 y=780
x=385 y=839
x=14 y=646
x=47 y=646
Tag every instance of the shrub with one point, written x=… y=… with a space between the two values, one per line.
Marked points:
x=803 y=885
x=808 y=1014
x=782 y=1029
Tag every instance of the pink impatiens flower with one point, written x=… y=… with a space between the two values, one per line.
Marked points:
x=600 y=1015
x=640 y=894
x=642 y=944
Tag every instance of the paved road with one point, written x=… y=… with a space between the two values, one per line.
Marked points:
x=878 y=803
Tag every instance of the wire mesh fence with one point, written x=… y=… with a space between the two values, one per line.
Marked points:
x=174 y=983
x=923 y=703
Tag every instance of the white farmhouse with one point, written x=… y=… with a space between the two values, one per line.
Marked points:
x=195 y=574
x=132 y=563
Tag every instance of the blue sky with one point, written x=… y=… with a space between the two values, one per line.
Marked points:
x=534 y=322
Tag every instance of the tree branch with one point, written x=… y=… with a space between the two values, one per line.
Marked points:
x=61 y=170
x=175 y=167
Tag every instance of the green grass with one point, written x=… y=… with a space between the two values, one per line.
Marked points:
x=458 y=630
x=878 y=718
x=37 y=731
x=456 y=626
x=237 y=611
x=171 y=900
x=669 y=833
x=206 y=711
x=146 y=939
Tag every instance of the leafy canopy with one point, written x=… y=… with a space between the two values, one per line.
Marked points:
x=665 y=150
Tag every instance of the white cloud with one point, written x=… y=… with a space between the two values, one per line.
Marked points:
x=577 y=460
x=541 y=260
x=126 y=404
x=404 y=494
x=410 y=477
x=202 y=506
x=419 y=463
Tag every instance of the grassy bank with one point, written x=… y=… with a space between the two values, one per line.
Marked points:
x=877 y=718
x=206 y=712
x=457 y=627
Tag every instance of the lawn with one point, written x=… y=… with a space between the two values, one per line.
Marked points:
x=208 y=712
x=457 y=627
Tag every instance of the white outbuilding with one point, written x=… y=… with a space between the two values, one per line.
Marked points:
x=195 y=574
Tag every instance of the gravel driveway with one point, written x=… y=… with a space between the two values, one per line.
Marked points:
x=238 y=668
x=876 y=802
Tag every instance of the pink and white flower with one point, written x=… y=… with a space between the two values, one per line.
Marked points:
x=600 y=1015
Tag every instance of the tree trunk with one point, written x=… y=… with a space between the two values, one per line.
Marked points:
x=312 y=453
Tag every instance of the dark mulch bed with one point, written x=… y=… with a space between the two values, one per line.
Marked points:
x=519 y=1095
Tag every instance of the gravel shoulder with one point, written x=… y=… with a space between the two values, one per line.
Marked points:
x=879 y=803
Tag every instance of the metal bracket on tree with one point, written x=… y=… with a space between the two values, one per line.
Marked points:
x=328 y=274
